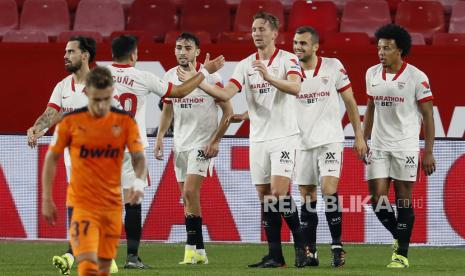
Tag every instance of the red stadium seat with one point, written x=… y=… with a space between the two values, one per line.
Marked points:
x=25 y=36
x=9 y=17
x=104 y=16
x=143 y=13
x=393 y=5
x=204 y=37
x=365 y=16
x=421 y=17
x=347 y=39
x=448 y=39
x=142 y=36
x=417 y=39
x=320 y=15
x=285 y=38
x=247 y=9
x=447 y=4
x=212 y=16
x=457 y=19
x=65 y=36
x=235 y=37
x=48 y=16
x=339 y=3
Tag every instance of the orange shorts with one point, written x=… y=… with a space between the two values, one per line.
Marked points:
x=96 y=231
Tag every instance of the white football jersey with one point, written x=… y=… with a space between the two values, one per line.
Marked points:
x=132 y=87
x=271 y=112
x=68 y=95
x=195 y=115
x=397 y=119
x=318 y=103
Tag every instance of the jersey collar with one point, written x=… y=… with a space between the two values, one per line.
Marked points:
x=121 y=65
x=317 y=68
x=402 y=68
x=276 y=51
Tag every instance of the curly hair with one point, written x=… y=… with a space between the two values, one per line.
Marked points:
x=398 y=34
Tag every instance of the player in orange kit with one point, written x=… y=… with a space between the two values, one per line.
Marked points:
x=96 y=136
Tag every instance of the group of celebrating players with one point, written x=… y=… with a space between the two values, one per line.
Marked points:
x=295 y=129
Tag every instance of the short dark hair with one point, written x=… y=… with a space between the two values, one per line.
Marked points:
x=273 y=20
x=399 y=34
x=123 y=46
x=86 y=44
x=99 y=77
x=310 y=30
x=189 y=37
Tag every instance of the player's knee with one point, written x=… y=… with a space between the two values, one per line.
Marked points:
x=87 y=268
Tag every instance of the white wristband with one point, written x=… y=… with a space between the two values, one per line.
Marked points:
x=204 y=72
x=138 y=185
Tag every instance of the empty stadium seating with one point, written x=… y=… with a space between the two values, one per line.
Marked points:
x=104 y=16
x=457 y=19
x=425 y=17
x=365 y=16
x=247 y=9
x=449 y=39
x=8 y=17
x=234 y=37
x=65 y=36
x=155 y=16
x=48 y=16
x=142 y=36
x=417 y=39
x=321 y=15
x=212 y=16
x=23 y=36
x=347 y=39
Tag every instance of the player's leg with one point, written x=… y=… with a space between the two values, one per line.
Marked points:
x=132 y=218
x=306 y=176
x=404 y=172
x=260 y=170
x=282 y=160
x=110 y=233
x=329 y=168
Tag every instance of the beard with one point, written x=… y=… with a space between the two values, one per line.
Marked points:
x=73 y=68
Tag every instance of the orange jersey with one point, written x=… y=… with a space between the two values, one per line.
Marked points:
x=96 y=147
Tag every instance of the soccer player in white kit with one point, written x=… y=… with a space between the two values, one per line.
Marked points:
x=319 y=157
x=399 y=99
x=196 y=140
x=67 y=96
x=271 y=79
x=132 y=87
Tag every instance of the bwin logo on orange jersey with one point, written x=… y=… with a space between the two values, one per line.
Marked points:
x=107 y=152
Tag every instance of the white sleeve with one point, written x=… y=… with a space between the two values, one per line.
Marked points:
x=422 y=89
x=56 y=97
x=342 y=79
x=158 y=86
x=215 y=79
x=238 y=77
x=166 y=78
x=367 y=83
x=292 y=65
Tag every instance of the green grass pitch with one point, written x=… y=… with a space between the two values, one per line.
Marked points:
x=34 y=258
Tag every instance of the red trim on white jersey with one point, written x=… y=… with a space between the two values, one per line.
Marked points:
x=238 y=84
x=73 y=88
x=295 y=72
x=303 y=73
x=121 y=65
x=402 y=68
x=344 y=88
x=427 y=99
x=55 y=106
x=219 y=84
x=276 y=51
x=317 y=68
x=167 y=101
x=168 y=91
x=197 y=66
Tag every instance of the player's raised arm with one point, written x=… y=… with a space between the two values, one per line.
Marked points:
x=49 y=118
x=290 y=85
x=209 y=67
x=352 y=111
x=213 y=146
x=165 y=122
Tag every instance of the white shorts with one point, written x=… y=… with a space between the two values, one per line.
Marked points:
x=274 y=157
x=325 y=160
x=400 y=165
x=127 y=173
x=191 y=162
